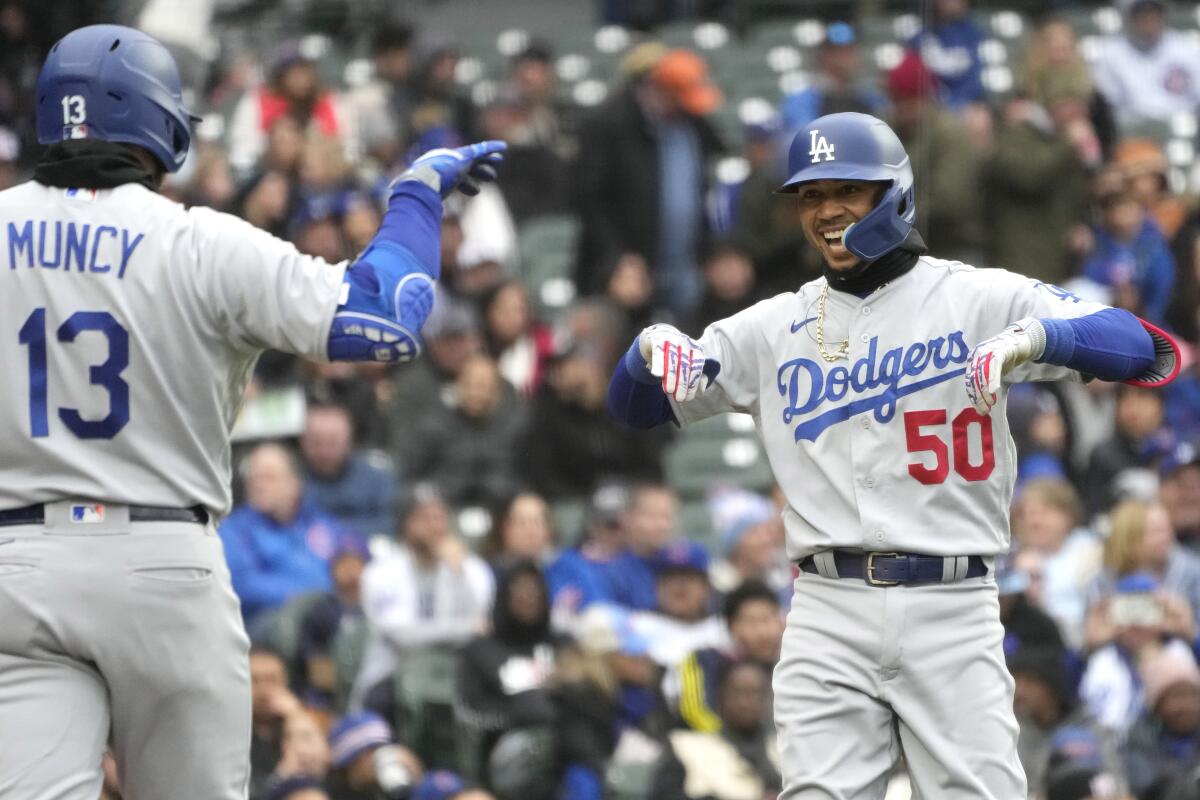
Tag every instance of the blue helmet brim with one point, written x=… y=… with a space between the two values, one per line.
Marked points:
x=834 y=172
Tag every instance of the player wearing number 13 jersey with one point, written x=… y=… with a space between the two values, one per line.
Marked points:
x=879 y=393
x=128 y=329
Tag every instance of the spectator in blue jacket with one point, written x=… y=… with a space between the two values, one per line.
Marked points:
x=355 y=488
x=838 y=85
x=577 y=577
x=278 y=543
x=647 y=526
x=949 y=46
x=1130 y=256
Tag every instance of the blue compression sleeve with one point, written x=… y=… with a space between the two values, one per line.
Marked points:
x=1110 y=345
x=635 y=397
x=388 y=291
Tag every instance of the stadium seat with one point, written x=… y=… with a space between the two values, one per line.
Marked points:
x=695 y=523
x=546 y=248
x=569 y=517
x=426 y=691
x=629 y=781
x=348 y=647
x=283 y=631
x=695 y=461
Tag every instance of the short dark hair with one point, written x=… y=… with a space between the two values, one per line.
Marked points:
x=536 y=50
x=391 y=34
x=748 y=592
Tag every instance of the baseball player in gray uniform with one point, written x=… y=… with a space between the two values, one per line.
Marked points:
x=129 y=328
x=898 y=481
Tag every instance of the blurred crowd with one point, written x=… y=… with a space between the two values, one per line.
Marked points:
x=463 y=580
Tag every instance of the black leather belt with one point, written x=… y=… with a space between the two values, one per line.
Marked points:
x=894 y=569
x=36 y=515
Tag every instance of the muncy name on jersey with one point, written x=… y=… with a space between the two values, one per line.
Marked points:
x=808 y=387
x=66 y=245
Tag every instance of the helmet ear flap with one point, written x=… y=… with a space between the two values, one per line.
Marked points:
x=884 y=227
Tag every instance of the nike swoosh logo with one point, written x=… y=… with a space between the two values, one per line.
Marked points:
x=798 y=325
x=7 y=541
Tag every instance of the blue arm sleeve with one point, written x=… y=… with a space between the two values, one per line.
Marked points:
x=635 y=396
x=1110 y=345
x=388 y=291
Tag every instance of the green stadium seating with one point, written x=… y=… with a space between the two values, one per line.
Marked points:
x=283 y=631
x=696 y=461
x=348 y=647
x=546 y=250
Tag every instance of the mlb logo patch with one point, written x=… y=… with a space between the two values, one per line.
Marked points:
x=75 y=132
x=87 y=195
x=87 y=514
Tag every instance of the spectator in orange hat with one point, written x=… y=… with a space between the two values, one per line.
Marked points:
x=944 y=161
x=642 y=179
x=1145 y=168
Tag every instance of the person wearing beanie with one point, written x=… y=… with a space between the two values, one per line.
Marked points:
x=750 y=531
x=682 y=621
x=1165 y=740
x=946 y=162
x=365 y=762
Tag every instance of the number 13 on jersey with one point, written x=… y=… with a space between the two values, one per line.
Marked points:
x=106 y=375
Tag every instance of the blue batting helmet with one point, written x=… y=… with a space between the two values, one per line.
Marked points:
x=117 y=84
x=851 y=146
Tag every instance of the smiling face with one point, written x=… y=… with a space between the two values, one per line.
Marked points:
x=827 y=208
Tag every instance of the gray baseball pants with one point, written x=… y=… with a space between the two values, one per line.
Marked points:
x=127 y=636
x=870 y=673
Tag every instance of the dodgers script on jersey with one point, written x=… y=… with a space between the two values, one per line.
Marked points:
x=857 y=444
x=131 y=327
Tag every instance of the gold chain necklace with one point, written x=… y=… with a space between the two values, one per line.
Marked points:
x=842 y=349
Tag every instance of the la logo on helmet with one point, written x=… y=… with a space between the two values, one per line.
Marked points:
x=820 y=147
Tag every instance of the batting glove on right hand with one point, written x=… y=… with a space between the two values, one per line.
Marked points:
x=462 y=168
x=994 y=358
x=678 y=360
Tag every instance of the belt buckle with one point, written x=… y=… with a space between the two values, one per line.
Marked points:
x=870 y=576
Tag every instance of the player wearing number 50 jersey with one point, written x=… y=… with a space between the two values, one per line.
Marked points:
x=129 y=326
x=897 y=477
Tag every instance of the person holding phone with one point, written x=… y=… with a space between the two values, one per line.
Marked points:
x=1137 y=622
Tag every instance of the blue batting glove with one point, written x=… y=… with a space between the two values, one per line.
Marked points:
x=462 y=168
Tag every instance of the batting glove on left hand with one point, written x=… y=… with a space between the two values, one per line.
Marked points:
x=994 y=358
x=462 y=168
x=679 y=360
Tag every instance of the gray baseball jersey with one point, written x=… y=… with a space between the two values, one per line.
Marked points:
x=882 y=450
x=132 y=327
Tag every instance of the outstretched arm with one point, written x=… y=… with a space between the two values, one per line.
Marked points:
x=1111 y=344
x=388 y=292
x=661 y=363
